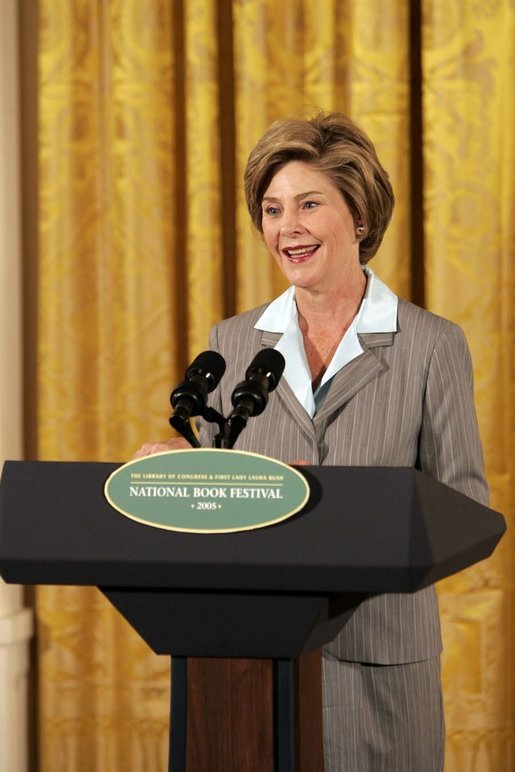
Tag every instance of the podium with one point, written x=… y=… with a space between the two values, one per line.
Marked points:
x=242 y=613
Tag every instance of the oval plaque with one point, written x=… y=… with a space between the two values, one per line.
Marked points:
x=207 y=490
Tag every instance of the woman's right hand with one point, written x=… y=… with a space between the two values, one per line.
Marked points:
x=149 y=448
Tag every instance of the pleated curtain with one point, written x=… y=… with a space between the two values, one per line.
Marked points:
x=146 y=112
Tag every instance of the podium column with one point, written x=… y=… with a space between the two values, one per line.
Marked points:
x=246 y=715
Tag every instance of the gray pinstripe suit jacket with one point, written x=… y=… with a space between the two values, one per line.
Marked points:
x=406 y=401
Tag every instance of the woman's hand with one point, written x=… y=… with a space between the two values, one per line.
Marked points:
x=149 y=448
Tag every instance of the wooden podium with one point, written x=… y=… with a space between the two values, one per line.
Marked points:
x=243 y=614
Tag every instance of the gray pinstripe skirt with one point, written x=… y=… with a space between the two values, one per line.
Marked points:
x=382 y=718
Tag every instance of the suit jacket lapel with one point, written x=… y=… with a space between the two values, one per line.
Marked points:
x=285 y=393
x=356 y=374
x=346 y=383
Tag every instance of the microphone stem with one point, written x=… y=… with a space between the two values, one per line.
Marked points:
x=183 y=426
x=222 y=443
x=236 y=422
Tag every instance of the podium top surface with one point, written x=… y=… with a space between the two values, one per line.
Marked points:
x=362 y=530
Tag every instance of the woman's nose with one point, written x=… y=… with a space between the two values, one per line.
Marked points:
x=290 y=223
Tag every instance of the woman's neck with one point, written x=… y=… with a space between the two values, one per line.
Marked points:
x=324 y=318
x=335 y=308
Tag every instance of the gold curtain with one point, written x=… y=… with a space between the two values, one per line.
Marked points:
x=147 y=112
x=469 y=197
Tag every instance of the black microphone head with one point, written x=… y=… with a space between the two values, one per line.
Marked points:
x=268 y=363
x=209 y=365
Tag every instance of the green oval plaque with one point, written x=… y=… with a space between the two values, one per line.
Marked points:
x=207 y=491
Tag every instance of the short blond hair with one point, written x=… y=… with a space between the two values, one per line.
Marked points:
x=331 y=143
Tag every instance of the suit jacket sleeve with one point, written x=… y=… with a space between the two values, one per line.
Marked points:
x=449 y=446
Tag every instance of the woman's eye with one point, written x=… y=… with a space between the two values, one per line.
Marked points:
x=310 y=204
x=271 y=211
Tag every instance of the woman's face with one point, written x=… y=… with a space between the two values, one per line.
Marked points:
x=308 y=228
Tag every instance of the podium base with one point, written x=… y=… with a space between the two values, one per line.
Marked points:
x=246 y=715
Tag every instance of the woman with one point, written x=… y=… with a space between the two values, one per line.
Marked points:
x=370 y=380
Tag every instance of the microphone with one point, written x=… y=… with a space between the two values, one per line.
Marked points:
x=250 y=397
x=189 y=398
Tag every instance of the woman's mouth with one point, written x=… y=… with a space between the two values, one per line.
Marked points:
x=301 y=253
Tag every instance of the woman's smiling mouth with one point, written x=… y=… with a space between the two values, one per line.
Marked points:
x=300 y=253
